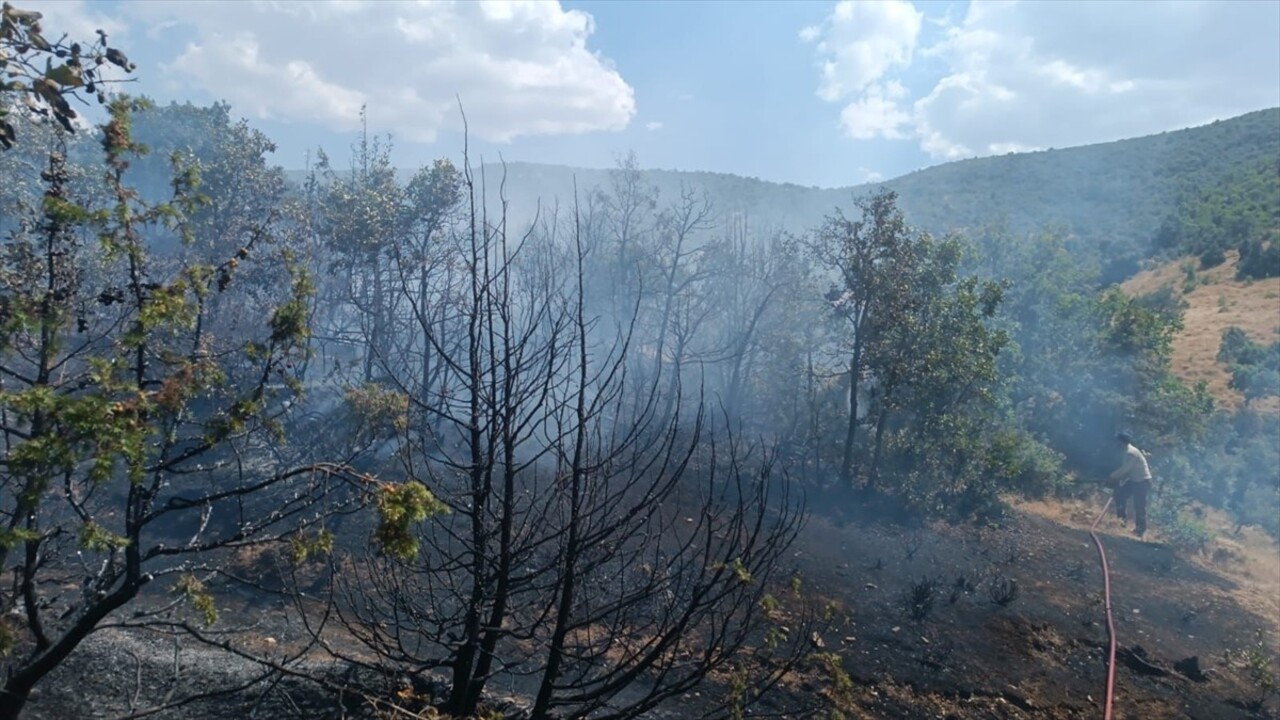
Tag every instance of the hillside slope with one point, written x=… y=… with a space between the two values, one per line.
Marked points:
x=1112 y=195
x=1112 y=198
x=1041 y=654
x=1216 y=300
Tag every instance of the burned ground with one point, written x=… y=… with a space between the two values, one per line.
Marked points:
x=1041 y=654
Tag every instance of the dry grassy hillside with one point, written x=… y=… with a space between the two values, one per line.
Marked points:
x=1215 y=300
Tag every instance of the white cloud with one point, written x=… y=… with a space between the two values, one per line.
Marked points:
x=78 y=19
x=519 y=68
x=290 y=88
x=877 y=113
x=653 y=125
x=869 y=176
x=861 y=41
x=1013 y=76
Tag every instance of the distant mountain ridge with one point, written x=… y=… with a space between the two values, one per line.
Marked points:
x=1114 y=195
x=1111 y=196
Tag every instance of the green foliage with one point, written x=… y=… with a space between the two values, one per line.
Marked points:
x=1187 y=534
x=129 y=398
x=193 y=590
x=1016 y=460
x=289 y=321
x=1084 y=363
x=362 y=207
x=839 y=689
x=378 y=411
x=8 y=637
x=1238 y=348
x=1259 y=257
x=1181 y=524
x=305 y=545
x=1260 y=668
x=1088 y=364
x=736 y=692
x=1239 y=211
x=237 y=185
x=1212 y=257
x=10 y=539
x=1255 y=369
x=400 y=506
x=96 y=538
x=431 y=195
x=1141 y=327
x=1233 y=467
x=922 y=345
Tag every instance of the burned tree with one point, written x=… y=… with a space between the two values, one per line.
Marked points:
x=489 y=320
x=609 y=553
x=669 y=541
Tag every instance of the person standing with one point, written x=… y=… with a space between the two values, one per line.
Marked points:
x=1134 y=476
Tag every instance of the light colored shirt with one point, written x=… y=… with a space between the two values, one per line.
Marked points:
x=1134 y=466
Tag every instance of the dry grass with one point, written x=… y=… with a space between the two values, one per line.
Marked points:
x=1251 y=559
x=1218 y=301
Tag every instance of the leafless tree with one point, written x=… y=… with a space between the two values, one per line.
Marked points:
x=605 y=553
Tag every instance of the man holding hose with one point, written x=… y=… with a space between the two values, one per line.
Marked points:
x=1134 y=476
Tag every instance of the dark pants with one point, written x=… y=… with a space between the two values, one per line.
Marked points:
x=1138 y=491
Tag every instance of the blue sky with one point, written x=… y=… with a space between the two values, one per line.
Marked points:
x=815 y=93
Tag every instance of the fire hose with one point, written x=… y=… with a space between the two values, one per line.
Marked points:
x=1111 y=628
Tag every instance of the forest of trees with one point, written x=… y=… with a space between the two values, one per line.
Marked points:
x=573 y=451
x=1238 y=213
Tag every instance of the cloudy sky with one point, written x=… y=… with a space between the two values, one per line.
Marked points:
x=815 y=93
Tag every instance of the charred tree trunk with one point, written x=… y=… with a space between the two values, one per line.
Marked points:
x=848 y=460
x=873 y=474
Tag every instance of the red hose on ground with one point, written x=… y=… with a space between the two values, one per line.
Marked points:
x=1111 y=628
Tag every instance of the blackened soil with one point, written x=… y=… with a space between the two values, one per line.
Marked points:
x=1041 y=654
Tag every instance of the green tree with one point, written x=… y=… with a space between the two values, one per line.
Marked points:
x=239 y=187
x=871 y=258
x=1260 y=256
x=360 y=220
x=127 y=423
x=1240 y=210
x=1255 y=369
x=936 y=371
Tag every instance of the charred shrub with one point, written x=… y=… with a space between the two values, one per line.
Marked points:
x=913 y=546
x=1002 y=590
x=962 y=586
x=921 y=598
